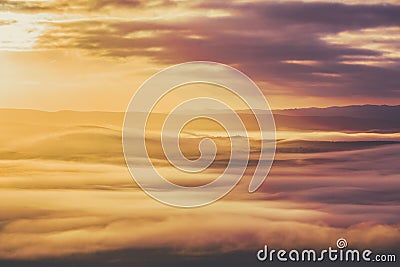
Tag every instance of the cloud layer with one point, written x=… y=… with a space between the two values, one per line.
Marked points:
x=64 y=191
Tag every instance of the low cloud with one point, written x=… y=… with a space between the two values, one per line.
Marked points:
x=72 y=197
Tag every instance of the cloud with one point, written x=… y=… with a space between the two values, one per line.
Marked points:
x=73 y=196
x=274 y=42
x=356 y=186
x=311 y=48
x=65 y=5
x=89 y=221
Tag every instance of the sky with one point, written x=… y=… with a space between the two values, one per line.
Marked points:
x=93 y=55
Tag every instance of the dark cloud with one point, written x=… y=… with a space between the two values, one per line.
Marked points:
x=267 y=41
x=98 y=4
x=326 y=16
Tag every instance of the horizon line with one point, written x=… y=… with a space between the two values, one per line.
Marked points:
x=114 y=111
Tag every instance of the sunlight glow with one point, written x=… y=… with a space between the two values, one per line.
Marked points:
x=22 y=31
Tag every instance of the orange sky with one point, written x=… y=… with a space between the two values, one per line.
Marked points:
x=92 y=55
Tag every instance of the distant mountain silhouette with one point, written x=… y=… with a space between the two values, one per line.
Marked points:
x=366 y=118
x=365 y=111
